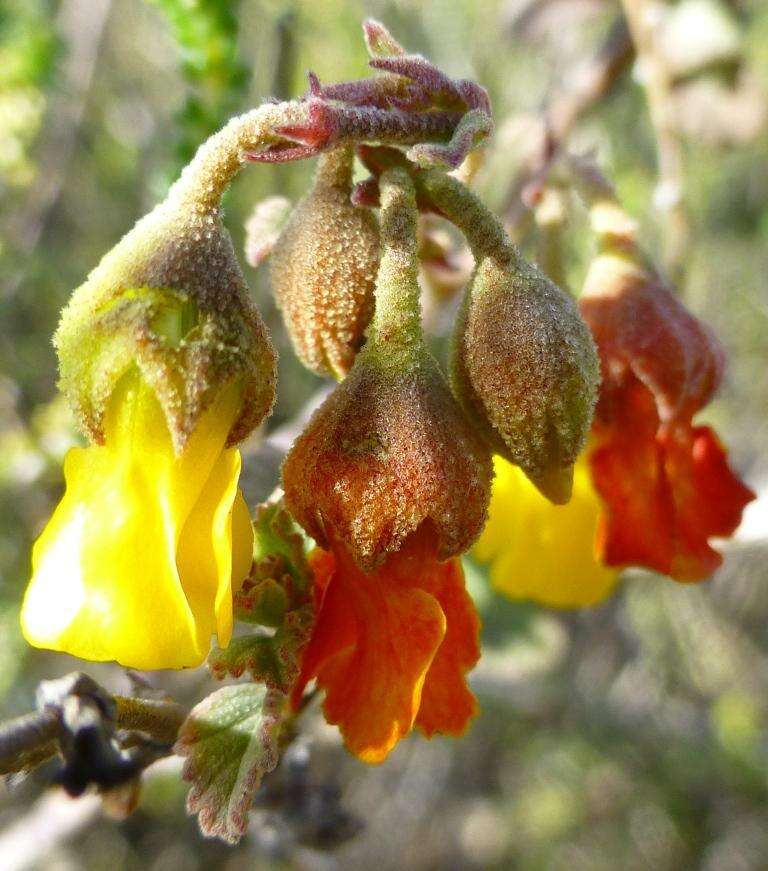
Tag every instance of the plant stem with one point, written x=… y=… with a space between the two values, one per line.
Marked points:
x=484 y=231
x=32 y=739
x=398 y=308
x=669 y=196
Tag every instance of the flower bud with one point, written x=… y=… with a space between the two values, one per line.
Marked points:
x=644 y=331
x=323 y=270
x=525 y=369
x=390 y=449
x=169 y=298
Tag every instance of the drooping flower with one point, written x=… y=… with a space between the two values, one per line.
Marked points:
x=167 y=365
x=665 y=482
x=543 y=552
x=140 y=558
x=392 y=481
x=391 y=647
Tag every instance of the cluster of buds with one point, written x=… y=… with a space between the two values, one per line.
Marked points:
x=167 y=366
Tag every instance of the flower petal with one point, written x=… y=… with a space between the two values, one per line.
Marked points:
x=542 y=551
x=666 y=490
x=375 y=639
x=447 y=704
x=105 y=581
x=373 y=690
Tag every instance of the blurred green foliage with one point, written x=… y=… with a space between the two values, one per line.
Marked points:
x=27 y=52
x=629 y=736
x=205 y=32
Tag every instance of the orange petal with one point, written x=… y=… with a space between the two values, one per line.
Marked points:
x=335 y=625
x=708 y=498
x=447 y=704
x=375 y=639
x=628 y=473
x=667 y=490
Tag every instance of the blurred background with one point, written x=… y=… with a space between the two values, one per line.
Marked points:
x=627 y=736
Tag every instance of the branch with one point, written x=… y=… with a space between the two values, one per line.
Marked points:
x=657 y=81
x=588 y=83
x=32 y=739
x=28 y=741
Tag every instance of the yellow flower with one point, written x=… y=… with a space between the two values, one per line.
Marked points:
x=139 y=560
x=540 y=551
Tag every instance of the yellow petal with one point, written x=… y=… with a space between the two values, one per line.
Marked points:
x=136 y=563
x=540 y=551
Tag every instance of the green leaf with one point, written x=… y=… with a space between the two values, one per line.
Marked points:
x=276 y=535
x=270 y=659
x=263 y=602
x=230 y=741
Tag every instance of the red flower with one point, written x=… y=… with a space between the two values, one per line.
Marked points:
x=666 y=483
x=391 y=647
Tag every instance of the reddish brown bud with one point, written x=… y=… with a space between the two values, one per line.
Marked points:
x=525 y=368
x=644 y=331
x=323 y=270
x=387 y=451
x=390 y=449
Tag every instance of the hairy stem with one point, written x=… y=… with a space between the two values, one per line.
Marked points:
x=317 y=125
x=484 y=231
x=398 y=308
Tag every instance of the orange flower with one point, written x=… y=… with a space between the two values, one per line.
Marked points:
x=666 y=483
x=391 y=647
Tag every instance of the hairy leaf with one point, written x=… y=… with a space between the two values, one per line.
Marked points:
x=230 y=741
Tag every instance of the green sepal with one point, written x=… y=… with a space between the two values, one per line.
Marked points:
x=169 y=299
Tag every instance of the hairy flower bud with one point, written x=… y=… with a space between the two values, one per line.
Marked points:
x=169 y=298
x=525 y=368
x=323 y=270
x=390 y=449
x=644 y=331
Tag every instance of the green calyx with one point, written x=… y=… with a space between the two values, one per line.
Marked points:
x=170 y=299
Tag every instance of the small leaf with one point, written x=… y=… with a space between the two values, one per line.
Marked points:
x=230 y=741
x=473 y=128
x=270 y=659
x=276 y=534
x=379 y=41
x=265 y=601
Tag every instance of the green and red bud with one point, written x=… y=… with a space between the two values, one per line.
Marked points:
x=525 y=369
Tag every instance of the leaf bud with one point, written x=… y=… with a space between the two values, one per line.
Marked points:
x=323 y=270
